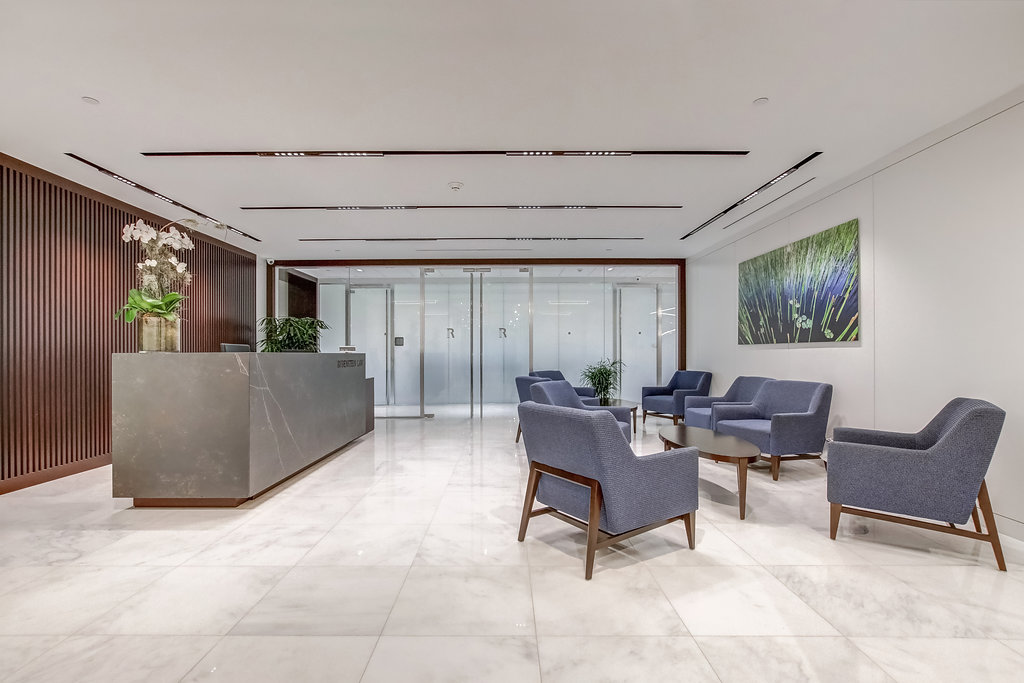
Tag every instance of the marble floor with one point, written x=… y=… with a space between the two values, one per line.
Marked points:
x=397 y=560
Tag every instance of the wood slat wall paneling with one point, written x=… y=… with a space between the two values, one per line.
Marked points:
x=64 y=271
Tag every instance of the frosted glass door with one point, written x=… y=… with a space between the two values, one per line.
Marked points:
x=370 y=335
x=637 y=338
x=446 y=362
x=505 y=332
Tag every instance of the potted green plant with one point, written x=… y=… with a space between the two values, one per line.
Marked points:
x=604 y=377
x=291 y=334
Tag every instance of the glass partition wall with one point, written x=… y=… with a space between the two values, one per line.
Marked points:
x=454 y=338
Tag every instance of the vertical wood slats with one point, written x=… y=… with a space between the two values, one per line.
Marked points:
x=64 y=271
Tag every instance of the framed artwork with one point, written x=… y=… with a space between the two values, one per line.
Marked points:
x=807 y=291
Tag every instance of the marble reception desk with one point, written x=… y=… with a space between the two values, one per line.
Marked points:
x=220 y=428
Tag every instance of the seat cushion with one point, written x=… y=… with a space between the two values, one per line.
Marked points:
x=591 y=401
x=698 y=417
x=660 y=404
x=757 y=432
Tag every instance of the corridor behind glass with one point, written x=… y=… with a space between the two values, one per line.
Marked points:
x=457 y=336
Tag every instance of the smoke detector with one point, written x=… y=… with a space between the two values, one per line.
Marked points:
x=455 y=186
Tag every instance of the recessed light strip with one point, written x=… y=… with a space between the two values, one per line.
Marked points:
x=788 y=172
x=407 y=207
x=453 y=152
x=469 y=239
x=159 y=196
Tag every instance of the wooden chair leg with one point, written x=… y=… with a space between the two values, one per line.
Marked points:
x=776 y=466
x=531 y=496
x=593 y=527
x=645 y=417
x=675 y=419
x=519 y=432
x=990 y=525
x=835 y=509
x=688 y=522
x=977 y=520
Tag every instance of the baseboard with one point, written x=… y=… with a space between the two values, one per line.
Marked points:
x=1010 y=527
x=51 y=473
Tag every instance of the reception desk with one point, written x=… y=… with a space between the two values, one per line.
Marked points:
x=215 y=429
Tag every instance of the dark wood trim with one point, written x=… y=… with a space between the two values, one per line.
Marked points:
x=188 y=502
x=990 y=535
x=342 y=263
x=43 y=476
x=681 y=313
x=72 y=186
x=271 y=290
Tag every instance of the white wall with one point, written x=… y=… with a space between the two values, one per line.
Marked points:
x=942 y=251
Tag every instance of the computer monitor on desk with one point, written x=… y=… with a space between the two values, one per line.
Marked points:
x=235 y=348
x=347 y=349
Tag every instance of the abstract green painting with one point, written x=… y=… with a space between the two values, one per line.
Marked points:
x=806 y=291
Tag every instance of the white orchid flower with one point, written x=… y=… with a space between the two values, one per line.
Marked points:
x=181 y=267
x=150 y=262
x=173 y=260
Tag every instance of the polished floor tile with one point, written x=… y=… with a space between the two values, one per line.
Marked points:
x=326 y=601
x=98 y=659
x=781 y=659
x=464 y=601
x=242 y=659
x=453 y=659
x=397 y=559
x=190 y=600
x=738 y=601
x=923 y=660
x=653 y=659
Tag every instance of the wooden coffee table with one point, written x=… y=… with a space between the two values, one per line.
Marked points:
x=632 y=405
x=717 y=447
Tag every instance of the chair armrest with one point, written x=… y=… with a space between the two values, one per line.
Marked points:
x=701 y=401
x=870 y=475
x=621 y=413
x=876 y=437
x=733 y=411
x=588 y=392
x=669 y=475
x=590 y=400
x=654 y=391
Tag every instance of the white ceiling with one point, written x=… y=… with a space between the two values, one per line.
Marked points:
x=855 y=80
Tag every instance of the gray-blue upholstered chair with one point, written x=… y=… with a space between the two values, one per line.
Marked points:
x=584 y=472
x=698 y=408
x=523 y=384
x=668 y=401
x=786 y=420
x=588 y=394
x=937 y=473
x=560 y=393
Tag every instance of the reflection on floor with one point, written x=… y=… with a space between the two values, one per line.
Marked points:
x=397 y=560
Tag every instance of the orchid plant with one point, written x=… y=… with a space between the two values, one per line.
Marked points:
x=160 y=273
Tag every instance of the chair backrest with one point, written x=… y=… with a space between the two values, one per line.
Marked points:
x=548 y=374
x=744 y=388
x=523 y=384
x=556 y=393
x=791 y=396
x=691 y=379
x=235 y=348
x=970 y=424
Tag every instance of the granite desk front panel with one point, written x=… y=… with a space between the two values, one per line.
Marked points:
x=219 y=428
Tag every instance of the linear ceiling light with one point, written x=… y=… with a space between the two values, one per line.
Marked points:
x=408 y=207
x=452 y=152
x=788 y=172
x=159 y=196
x=467 y=239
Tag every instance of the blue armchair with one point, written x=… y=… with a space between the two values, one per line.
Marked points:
x=523 y=384
x=585 y=473
x=668 y=401
x=560 y=393
x=786 y=420
x=697 y=409
x=588 y=394
x=937 y=473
